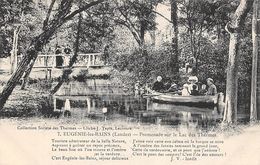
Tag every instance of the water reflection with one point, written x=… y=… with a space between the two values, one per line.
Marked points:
x=103 y=101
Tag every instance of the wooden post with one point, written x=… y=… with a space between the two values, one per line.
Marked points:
x=93 y=59
x=54 y=103
x=50 y=74
x=88 y=104
x=45 y=64
x=89 y=56
x=93 y=104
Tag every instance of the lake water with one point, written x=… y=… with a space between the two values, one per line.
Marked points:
x=101 y=100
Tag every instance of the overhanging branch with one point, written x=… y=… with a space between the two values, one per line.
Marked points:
x=85 y=7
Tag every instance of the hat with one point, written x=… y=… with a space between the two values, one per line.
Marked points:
x=193 y=78
x=159 y=78
x=210 y=79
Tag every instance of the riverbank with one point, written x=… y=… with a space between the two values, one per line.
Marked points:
x=26 y=103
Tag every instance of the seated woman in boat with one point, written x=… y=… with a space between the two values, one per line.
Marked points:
x=158 y=85
x=185 y=90
x=192 y=81
x=212 y=89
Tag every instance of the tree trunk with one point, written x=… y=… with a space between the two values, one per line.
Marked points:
x=234 y=27
x=153 y=37
x=174 y=59
x=14 y=49
x=255 y=81
x=230 y=114
x=29 y=68
x=26 y=74
x=144 y=52
x=66 y=73
x=142 y=32
x=34 y=48
x=8 y=88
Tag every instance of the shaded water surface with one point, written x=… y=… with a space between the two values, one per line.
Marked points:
x=101 y=100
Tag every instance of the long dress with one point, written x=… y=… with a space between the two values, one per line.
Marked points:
x=185 y=90
x=67 y=105
x=59 y=59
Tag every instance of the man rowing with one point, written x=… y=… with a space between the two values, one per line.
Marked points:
x=212 y=89
x=158 y=85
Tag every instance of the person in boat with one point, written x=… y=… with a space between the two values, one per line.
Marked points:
x=193 y=80
x=158 y=85
x=185 y=90
x=167 y=83
x=173 y=88
x=170 y=86
x=194 y=91
x=212 y=89
x=203 y=89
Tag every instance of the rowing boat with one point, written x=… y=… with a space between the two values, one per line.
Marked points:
x=199 y=101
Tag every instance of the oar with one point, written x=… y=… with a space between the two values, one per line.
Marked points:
x=150 y=95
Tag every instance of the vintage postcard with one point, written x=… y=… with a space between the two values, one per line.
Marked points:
x=129 y=82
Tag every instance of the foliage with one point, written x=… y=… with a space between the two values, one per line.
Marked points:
x=146 y=72
x=96 y=31
x=98 y=28
x=122 y=24
x=200 y=20
x=137 y=16
x=13 y=13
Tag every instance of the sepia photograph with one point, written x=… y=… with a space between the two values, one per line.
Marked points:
x=129 y=82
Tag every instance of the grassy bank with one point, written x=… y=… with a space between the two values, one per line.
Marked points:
x=33 y=101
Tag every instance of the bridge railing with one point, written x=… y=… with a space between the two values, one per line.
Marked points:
x=83 y=60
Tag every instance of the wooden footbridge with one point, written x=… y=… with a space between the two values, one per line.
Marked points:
x=49 y=61
x=49 y=66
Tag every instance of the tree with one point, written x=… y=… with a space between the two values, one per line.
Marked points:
x=68 y=71
x=174 y=59
x=234 y=29
x=200 y=19
x=137 y=16
x=63 y=14
x=255 y=94
x=98 y=28
x=30 y=66
x=11 y=19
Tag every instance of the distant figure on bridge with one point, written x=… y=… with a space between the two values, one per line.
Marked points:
x=59 y=59
x=67 y=51
x=106 y=55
